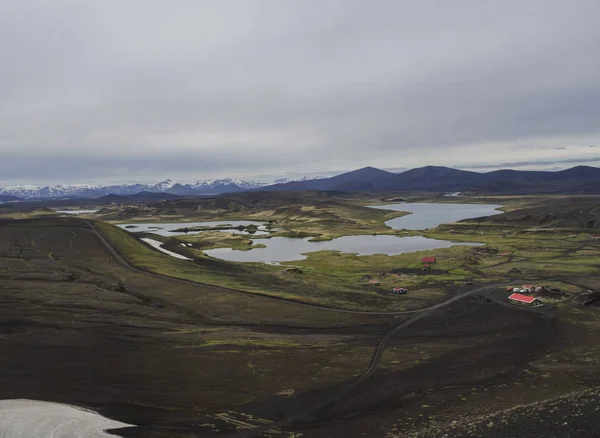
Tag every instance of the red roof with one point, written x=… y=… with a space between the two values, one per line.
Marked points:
x=522 y=298
x=428 y=259
x=399 y=288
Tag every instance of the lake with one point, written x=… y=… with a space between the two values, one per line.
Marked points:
x=430 y=215
x=165 y=228
x=77 y=211
x=279 y=249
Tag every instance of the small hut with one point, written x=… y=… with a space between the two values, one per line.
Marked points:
x=525 y=300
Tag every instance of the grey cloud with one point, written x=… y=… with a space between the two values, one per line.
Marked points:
x=537 y=163
x=101 y=89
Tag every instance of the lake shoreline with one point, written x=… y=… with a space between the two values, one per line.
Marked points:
x=277 y=247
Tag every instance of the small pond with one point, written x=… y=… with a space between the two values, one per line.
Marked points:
x=158 y=245
x=167 y=228
x=280 y=249
x=430 y=215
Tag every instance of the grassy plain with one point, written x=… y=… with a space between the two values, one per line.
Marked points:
x=341 y=280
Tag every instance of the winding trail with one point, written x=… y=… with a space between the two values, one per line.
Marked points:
x=373 y=365
x=129 y=266
x=191 y=313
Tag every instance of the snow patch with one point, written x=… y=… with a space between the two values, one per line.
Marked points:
x=39 y=419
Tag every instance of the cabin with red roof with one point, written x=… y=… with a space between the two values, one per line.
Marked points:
x=374 y=282
x=399 y=290
x=526 y=300
x=428 y=260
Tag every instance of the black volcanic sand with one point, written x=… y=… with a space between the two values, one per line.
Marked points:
x=478 y=344
x=572 y=415
x=76 y=327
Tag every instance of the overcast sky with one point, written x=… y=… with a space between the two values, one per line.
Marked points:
x=122 y=90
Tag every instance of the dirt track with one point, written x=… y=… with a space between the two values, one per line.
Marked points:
x=376 y=359
x=126 y=264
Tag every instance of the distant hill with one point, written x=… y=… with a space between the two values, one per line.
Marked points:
x=439 y=179
x=365 y=179
x=577 y=180
x=6 y=198
x=431 y=179
x=578 y=213
x=137 y=197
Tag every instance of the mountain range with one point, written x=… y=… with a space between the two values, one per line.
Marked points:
x=205 y=187
x=576 y=180
x=8 y=198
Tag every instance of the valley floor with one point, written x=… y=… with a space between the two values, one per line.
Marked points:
x=90 y=316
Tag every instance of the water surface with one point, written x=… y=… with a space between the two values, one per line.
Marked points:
x=429 y=215
x=165 y=228
x=158 y=245
x=279 y=249
x=77 y=211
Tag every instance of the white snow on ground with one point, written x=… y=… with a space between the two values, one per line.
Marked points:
x=38 y=419
x=156 y=244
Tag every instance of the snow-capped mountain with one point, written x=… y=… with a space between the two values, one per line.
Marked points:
x=203 y=187
x=228 y=182
x=31 y=191
x=305 y=178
